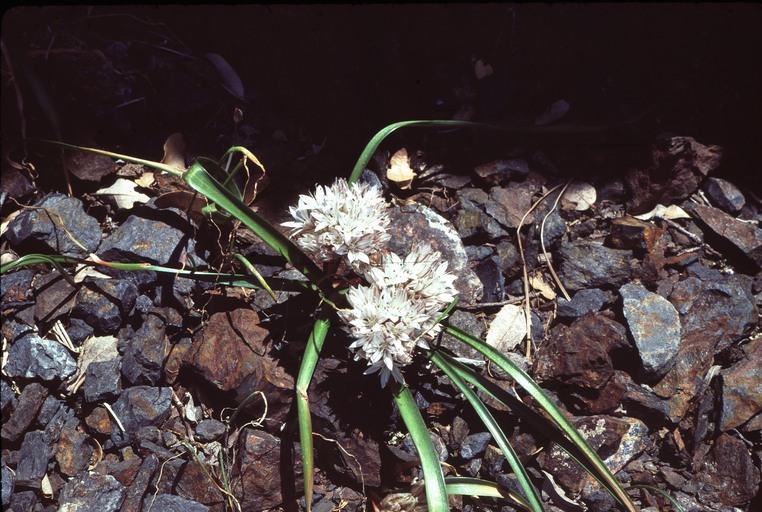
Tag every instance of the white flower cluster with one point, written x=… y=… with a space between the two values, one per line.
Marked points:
x=341 y=220
x=400 y=308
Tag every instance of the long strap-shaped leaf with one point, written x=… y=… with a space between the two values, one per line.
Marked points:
x=200 y=180
x=436 y=492
x=531 y=387
x=307 y=368
x=530 y=492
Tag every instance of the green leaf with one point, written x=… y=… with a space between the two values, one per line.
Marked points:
x=467 y=486
x=436 y=492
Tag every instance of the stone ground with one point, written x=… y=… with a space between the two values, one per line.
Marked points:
x=111 y=380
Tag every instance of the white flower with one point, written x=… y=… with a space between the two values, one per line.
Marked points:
x=399 y=310
x=341 y=220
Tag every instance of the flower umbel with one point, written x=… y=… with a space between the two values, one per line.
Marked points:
x=399 y=310
x=341 y=220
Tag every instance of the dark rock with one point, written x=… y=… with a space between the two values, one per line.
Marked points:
x=472 y=223
x=478 y=252
x=151 y=235
x=616 y=440
x=717 y=314
x=679 y=166
x=470 y=323
x=640 y=402
x=655 y=327
x=99 y=422
x=588 y=265
x=728 y=477
x=91 y=492
x=509 y=204
x=474 y=445
x=231 y=354
x=190 y=480
x=74 y=450
x=489 y=272
x=413 y=224
x=33 y=357
x=8 y=483
x=510 y=259
x=105 y=303
x=583 y=302
x=53 y=416
x=209 y=430
x=577 y=357
x=78 y=330
x=144 y=354
x=55 y=298
x=501 y=171
x=57 y=224
x=138 y=488
x=102 y=380
x=8 y=402
x=258 y=474
x=33 y=460
x=137 y=407
x=16 y=286
x=631 y=233
x=744 y=236
x=172 y=503
x=725 y=195
x=17 y=185
x=742 y=388
x=23 y=501
x=29 y=402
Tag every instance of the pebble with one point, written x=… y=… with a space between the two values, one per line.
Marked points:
x=144 y=352
x=474 y=445
x=32 y=357
x=589 y=265
x=173 y=503
x=33 y=459
x=103 y=380
x=137 y=407
x=744 y=236
x=583 y=302
x=725 y=195
x=28 y=405
x=209 y=430
x=8 y=483
x=92 y=492
x=105 y=303
x=655 y=327
x=742 y=388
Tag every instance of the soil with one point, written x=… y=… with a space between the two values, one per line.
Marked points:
x=304 y=88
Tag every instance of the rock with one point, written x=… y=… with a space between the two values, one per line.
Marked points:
x=584 y=301
x=53 y=415
x=55 y=298
x=510 y=259
x=509 y=204
x=231 y=354
x=151 y=235
x=260 y=481
x=74 y=450
x=474 y=445
x=489 y=272
x=639 y=401
x=725 y=195
x=55 y=225
x=577 y=357
x=616 y=440
x=728 y=477
x=8 y=402
x=502 y=170
x=415 y=223
x=717 y=314
x=172 y=503
x=91 y=492
x=139 y=486
x=105 y=303
x=144 y=353
x=16 y=286
x=743 y=236
x=29 y=403
x=209 y=430
x=742 y=388
x=631 y=233
x=589 y=265
x=8 y=483
x=33 y=460
x=473 y=224
x=33 y=357
x=470 y=323
x=23 y=500
x=103 y=380
x=655 y=327
x=137 y=407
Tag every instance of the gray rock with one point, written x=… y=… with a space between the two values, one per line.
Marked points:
x=655 y=327
x=28 y=405
x=33 y=459
x=728 y=477
x=138 y=407
x=583 y=302
x=209 y=430
x=91 y=492
x=588 y=265
x=472 y=223
x=470 y=323
x=57 y=225
x=102 y=380
x=415 y=223
x=8 y=483
x=172 y=503
x=489 y=272
x=742 y=388
x=139 y=486
x=743 y=235
x=16 y=286
x=144 y=354
x=509 y=204
x=478 y=252
x=23 y=500
x=53 y=416
x=474 y=445
x=105 y=303
x=725 y=195
x=33 y=357
x=8 y=401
